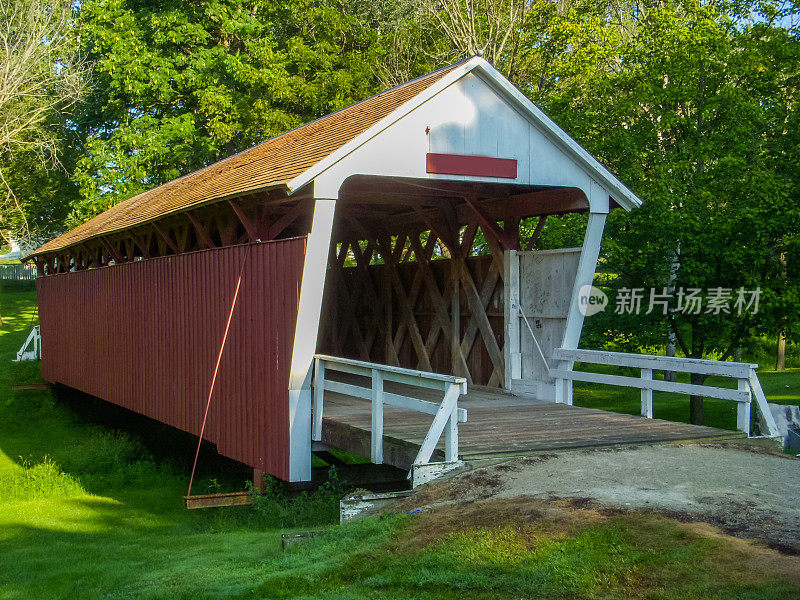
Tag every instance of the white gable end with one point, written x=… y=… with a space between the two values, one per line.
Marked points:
x=472 y=114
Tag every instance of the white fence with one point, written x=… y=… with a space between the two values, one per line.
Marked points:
x=745 y=374
x=19 y=272
x=446 y=414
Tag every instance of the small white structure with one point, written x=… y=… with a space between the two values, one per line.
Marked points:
x=32 y=348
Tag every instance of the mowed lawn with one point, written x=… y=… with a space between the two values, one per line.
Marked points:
x=87 y=512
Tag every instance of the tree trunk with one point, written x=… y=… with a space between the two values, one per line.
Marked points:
x=780 y=361
x=671 y=337
x=696 y=402
x=671 y=375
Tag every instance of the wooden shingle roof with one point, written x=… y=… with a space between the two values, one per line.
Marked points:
x=270 y=164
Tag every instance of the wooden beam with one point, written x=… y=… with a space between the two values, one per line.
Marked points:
x=168 y=240
x=244 y=220
x=287 y=219
x=406 y=312
x=202 y=234
x=479 y=313
x=490 y=227
x=112 y=250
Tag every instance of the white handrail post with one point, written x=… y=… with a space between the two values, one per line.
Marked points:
x=376 y=446
x=564 y=386
x=647 y=394
x=560 y=390
x=743 y=408
x=451 y=437
x=319 y=395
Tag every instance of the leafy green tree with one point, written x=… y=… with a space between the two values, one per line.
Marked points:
x=179 y=85
x=695 y=112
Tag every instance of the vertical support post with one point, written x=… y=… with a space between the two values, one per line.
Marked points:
x=258 y=480
x=561 y=385
x=590 y=252
x=455 y=312
x=586 y=266
x=319 y=397
x=743 y=408
x=386 y=283
x=647 y=394
x=512 y=344
x=376 y=446
x=305 y=339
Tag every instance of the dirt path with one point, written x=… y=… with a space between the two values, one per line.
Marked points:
x=747 y=493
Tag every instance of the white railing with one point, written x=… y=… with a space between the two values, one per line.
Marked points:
x=744 y=373
x=32 y=348
x=447 y=414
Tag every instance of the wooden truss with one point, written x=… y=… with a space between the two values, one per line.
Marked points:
x=424 y=299
x=257 y=217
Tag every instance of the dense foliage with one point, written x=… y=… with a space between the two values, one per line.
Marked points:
x=179 y=85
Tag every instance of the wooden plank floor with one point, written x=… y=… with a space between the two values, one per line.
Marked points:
x=497 y=424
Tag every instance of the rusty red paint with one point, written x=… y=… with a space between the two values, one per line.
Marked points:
x=145 y=336
x=476 y=166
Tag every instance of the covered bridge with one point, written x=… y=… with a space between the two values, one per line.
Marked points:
x=380 y=243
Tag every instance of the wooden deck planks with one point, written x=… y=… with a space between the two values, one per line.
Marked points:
x=499 y=424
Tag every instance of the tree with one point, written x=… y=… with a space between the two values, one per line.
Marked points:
x=179 y=85
x=696 y=113
x=41 y=76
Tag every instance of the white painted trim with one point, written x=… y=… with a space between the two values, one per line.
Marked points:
x=447 y=414
x=377 y=399
x=647 y=394
x=443 y=416
x=585 y=276
x=391 y=373
x=511 y=350
x=305 y=339
x=764 y=413
x=624 y=197
x=34 y=339
x=652 y=384
x=743 y=408
x=744 y=373
x=657 y=363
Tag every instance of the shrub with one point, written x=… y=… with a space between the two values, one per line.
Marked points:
x=274 y=508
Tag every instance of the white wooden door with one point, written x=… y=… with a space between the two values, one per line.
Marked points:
x=546 y=280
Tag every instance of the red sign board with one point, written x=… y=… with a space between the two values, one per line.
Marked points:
x=477 y=166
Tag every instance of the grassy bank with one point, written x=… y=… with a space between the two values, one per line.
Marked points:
x=90 y=510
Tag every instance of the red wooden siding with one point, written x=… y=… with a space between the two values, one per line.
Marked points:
x=145 y=336
x=476 y=166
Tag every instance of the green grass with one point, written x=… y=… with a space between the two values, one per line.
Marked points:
x=87 y=511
